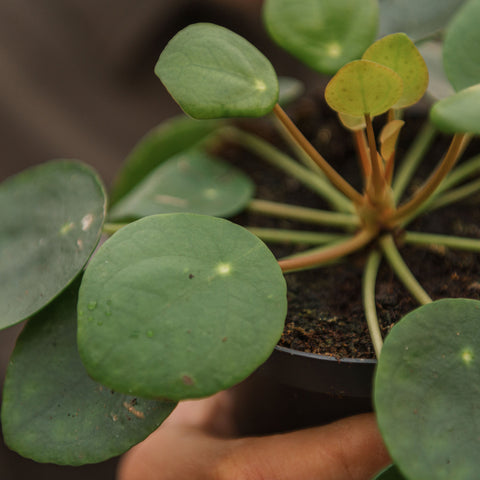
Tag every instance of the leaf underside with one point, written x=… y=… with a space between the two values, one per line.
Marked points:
x=399 y=53
x=363 y=87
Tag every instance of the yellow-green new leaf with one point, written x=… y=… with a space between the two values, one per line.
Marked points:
x=352 y=123
x=388 y=137
x=362 y=88
x=399 y=53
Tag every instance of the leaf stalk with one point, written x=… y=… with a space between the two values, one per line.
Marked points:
x=337 y=180
x=429 y=187
x=368 y=296
x=329 y=253
x=402 y=271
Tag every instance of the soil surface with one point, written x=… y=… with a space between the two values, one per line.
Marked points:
x=325 y=313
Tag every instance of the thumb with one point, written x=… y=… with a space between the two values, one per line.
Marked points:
x=349 y=449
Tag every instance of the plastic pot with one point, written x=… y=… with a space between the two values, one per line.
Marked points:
x=293 y=390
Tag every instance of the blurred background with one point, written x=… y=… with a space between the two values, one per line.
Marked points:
x=77 y=81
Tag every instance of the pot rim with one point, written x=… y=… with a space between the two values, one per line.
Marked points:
x=317 y=356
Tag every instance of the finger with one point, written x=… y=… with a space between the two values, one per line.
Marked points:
x=173 y=453
x=350 y=449
x=187 y=445
x=212 y=415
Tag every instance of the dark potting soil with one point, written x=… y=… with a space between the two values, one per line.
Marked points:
x=325 y=314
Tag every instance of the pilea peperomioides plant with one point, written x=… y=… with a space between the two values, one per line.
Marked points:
x=180 y=303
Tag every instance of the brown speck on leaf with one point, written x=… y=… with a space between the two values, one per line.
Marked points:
x=224 y=339
x=133 y=410
x=187 y=380
x=191 y=276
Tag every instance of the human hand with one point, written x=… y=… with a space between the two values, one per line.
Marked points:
x=197 y=443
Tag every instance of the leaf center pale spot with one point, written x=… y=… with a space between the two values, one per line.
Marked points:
x=210 y=193
x=467 y=356
x=260 y=85
x=224 y=268
x=334 y=50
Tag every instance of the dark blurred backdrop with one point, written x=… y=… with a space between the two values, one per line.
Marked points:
x=77 y=81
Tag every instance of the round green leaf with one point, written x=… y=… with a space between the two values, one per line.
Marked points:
x=390 y=473
x=461 y=51
x=427 y=387
x=53 y=412
x=417 y=18
x=192 y=181
x=171 y=137
x=179 y=306
x=363 y=87
x=324 y=34
x=213 y=73
x=459 y=113
x=399 y=53
x=50 y=222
